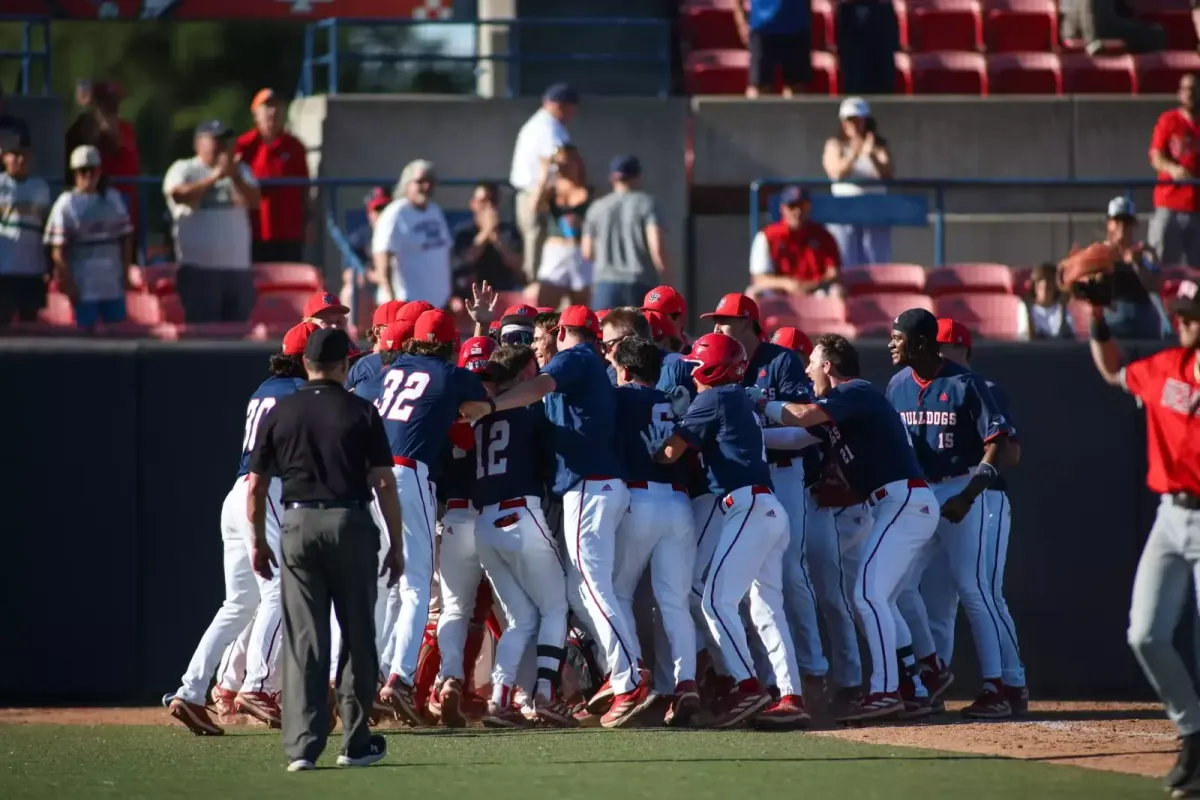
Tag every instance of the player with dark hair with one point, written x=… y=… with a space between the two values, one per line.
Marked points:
x=545 y=336
x=389 y=313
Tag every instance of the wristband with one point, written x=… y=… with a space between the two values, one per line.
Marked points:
x=1099 y=330
x=987 y=471
x=774 y=411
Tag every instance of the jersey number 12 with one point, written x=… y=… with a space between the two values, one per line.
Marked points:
x=397 y=406
x=488 y=455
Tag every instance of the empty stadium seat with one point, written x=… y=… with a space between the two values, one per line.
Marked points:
x=1108 y=47
x=824 y=74
x=1024 y=73
x=873 y=314
x=710 y=25
x=142 y=308
x=1020 y=26
x=285 y=277
x=811 y=308
x=949 y=73
x=1175 y=16
x=928 y=26
x=992 y=316
x=1084 y=74
x=840 y=328
x=875 y=278
x=58 y=310
x=717 y=71
x=823 y=35
x=279 y=307
x=1159 y=73
x=172 y=308
x=160 y=278
x=973 y=278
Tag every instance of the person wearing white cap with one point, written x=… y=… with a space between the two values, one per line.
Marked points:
x=1136 y=311
x=91 y=242
x=858 y=153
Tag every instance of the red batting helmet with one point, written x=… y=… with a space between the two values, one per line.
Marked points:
x=719 y=359
x=475 y=353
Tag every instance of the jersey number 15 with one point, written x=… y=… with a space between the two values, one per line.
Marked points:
x=397 y=406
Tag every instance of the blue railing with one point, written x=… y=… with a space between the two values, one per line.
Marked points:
x=333 y=54
x=27 y=55
x=913 y=209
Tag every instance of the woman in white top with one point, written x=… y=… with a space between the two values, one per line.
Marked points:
x=858 y=153
x=411 y=244
x=561 y=199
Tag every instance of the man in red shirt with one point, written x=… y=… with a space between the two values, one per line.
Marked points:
x=281 y=224
x=794 y=254
x=1175 y=156
x=1168 y=386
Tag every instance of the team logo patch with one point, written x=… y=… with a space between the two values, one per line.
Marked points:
x=762 y=373
x=944 y=398
x=655 y=297
x=329 y=299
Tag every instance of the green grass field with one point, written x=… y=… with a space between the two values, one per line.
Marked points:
x=53 y=761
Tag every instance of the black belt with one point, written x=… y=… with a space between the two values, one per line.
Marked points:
x=1186 y=500
x=353 y=505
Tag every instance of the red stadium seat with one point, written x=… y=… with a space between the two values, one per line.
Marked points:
x=972 y=278
x=1175 y=18
x=1081 y=315
x=142 y=308
x=58 y=311
x=904 y=74
x=824 y=74
x=992 y=316
x=823 y=35
x=949 y=73
x=1020 y=26
x=1021 y=280
x=717 y=71
x=1159 y=73
x=710 y=25
x=942 y=25
x=1108 y=47
x=279 y=307
x=873 y=314
x=840 y=328
x=172 y=308
x=160 y=278
x=876 y=278
x=1084 y=74
x=1024 y=73
x=811 y=308
x=284 y=277
x=137 y=278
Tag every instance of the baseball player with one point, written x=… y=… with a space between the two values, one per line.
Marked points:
x=244 y=591
x=516 y=324
x=420 y=395
x=325 y=311
x=670 y=303
x=874 y=455
x=590 y=479
x=937 y=586
x=777 y=373
x=370 y=365
x=961 y=442
x=657 y=531
x=722 y=424
x=1168 y=385
x=518 y=550
x=545 y=336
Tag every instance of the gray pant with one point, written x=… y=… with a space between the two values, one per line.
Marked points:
x=1175 y=236
x=215 y=295
x=533 y=233
x=1167 y=571
x=329 y=555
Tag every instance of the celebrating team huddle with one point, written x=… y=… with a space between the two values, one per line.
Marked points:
x=572 y=482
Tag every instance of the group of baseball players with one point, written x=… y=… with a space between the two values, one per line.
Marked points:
x=593 y=486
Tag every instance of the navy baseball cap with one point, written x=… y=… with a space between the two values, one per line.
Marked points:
x=794 y=194
x=214 y=128
x=625 y=166
x=561 y=92
x=327 y=346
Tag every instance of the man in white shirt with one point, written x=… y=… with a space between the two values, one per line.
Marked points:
x=540 y=136
x=411 y=243
x=210 y=196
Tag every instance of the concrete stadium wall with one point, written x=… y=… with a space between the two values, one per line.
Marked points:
x=112 y=507
x=46 y=123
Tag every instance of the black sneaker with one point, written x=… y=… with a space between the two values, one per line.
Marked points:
x=1187 y=765
x=375 y=750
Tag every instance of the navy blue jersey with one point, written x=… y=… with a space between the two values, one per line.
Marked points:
x=370 y=386
x=722 y=424
x=509 y=456
x=583 y=418
x=457 y=470
x=869 y=443
x=1002 y=405
x=418 y=400
x=950 y=418
x=676 y=373
x=645 y=420
x=261 y=402
x=779 y=373
x=363 y=370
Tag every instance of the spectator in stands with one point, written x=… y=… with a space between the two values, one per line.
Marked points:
x=410 y=249
x=210 y=196
x=91 y=242
x=487 y=249
x=858 y=153
x=1136 y=311
x=282 y=222
x=539 y=138
x=794 y=254
x=777 y=33
x=24 y=202
x=1045 y=314
x=623 y=239
x=1175 y=156
x=561 y=198
x=361 y=276
x=100 y=125
x=868 y=38
x=1093 y=21
x=14 y=131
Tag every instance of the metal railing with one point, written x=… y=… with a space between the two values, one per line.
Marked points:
x=333 y=54
x=763 y=190
x=27 y=55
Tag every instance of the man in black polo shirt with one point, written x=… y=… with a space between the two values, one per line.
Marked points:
x=329 y=448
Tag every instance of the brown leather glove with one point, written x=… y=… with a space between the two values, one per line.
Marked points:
x=1086 y=263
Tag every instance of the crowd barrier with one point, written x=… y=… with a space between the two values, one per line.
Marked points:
x=122 y=452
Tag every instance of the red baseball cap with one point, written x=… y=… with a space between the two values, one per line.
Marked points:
x=296 y=339
x=735 y=305
x=386 y=313
x=436 y=326
x=602 y=313
x=666 y=300
x=546 y=310
x=411 y=311
x=494 y=326
x=397 y=334
x=793 y=339
x=580 y=317
x=323 y=301
x=518 y=314
x=660 y=325
x=951 y=332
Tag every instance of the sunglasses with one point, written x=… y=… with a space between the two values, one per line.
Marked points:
x=608 y=346
x=517 y=337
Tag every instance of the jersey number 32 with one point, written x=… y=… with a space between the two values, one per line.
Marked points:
x=397 y=405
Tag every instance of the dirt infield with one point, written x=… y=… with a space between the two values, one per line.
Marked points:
x=1117 y=737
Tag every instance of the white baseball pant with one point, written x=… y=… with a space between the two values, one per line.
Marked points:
x=835 y=537
x=231 y=672
x=905 y=514
x=419 y=510
x=526 y=570
x=242 y=595
x=591 y=513
x=798 y=591
x=459 y=572
x=749 y=559
x=706 y=527
x=657 y=532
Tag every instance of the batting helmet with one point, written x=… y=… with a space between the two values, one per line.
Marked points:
x=719 y=359
x=475 y=353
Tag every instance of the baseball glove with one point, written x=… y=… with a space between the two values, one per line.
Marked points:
x=1087 y=263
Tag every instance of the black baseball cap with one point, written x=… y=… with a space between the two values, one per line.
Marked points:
x=915 y=323
x=327 y=346
x=561 y=92
x=214 y=128
x=625 y=166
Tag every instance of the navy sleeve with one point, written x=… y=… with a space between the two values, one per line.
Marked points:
x=699 y=424
x=1001 y=398
x=791 y=382
x=470 y=387
x=566 y=368
x=612 y=374
x=842 y=403
x=989 y=420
